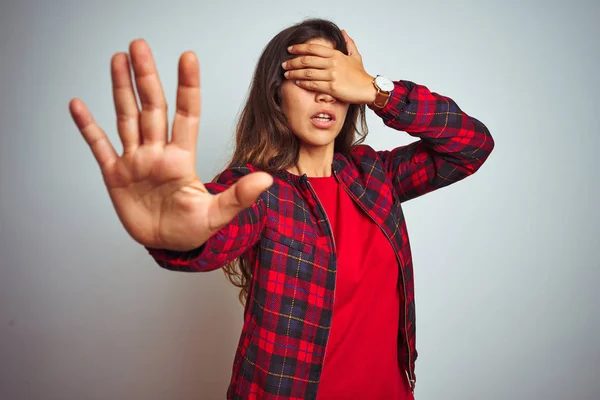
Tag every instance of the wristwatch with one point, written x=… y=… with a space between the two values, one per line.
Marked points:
x=384 y=86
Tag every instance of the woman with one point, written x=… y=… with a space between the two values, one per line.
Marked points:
x=312 y=216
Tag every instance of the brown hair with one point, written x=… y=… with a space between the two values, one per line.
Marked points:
x=263 y=137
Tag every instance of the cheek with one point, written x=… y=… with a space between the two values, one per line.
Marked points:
x=293 y=112
x=294 y=104
x=344 y=113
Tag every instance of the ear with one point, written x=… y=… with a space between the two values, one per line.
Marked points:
x=352 y=50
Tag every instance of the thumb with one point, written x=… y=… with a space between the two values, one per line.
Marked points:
x=239 y=196
x=352 y=50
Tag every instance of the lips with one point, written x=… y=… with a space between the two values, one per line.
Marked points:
x=324 y=112
x=323 y=119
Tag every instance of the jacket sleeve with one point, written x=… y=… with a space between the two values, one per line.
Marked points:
x=230 y=242
x=452 y=144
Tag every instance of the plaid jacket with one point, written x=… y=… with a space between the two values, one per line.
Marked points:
x=287 y=238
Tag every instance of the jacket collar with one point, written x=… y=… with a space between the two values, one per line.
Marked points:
x=340 y=162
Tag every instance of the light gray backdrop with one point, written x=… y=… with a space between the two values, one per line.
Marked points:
x=506 y=261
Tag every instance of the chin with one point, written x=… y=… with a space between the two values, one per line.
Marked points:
x=319 y=138
x=315 y=143
x=323 y=140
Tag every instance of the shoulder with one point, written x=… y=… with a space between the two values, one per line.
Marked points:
x=281 y=188
x=363 y=157
x=238 y=170
x=363 y=150
x=364 y=164
x=235 y=172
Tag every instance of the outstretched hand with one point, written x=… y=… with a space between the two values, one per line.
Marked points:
x=153 y=185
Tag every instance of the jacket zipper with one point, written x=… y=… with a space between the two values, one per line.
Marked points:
x=410 y=376
x=334 y=252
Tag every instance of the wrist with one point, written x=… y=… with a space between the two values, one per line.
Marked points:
x=370 y=92
x=383 y=91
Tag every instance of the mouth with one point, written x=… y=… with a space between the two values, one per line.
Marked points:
x=323 y=119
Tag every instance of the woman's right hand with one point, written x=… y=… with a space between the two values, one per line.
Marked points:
x=153 y=185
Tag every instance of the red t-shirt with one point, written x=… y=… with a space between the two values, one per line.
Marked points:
x=361 y=358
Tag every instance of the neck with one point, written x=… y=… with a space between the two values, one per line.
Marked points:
x=314 y=162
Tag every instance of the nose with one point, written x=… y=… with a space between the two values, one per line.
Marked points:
x=324 y=97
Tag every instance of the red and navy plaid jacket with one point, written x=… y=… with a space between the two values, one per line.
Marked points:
x=286 y=236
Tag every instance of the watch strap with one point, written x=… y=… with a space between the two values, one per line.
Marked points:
x=381 y=98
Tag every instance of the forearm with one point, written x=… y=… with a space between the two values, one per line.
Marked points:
x=440 y=123
x=224 y=246
x=452 y=144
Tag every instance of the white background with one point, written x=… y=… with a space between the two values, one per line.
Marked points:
x=506 y=261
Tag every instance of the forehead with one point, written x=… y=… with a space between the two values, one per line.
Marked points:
x=321 y=41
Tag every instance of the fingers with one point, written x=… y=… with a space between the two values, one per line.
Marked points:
x=153 y=118
x=312 y=48
x=240 y=196
x=309 y=67
x=126 y=106
x=312 y=74
x=187 y=115
x=101 y=147
x=307 y=62
x=352 y=50
x=316 y=86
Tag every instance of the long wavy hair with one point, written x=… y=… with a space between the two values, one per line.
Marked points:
x=263 y=136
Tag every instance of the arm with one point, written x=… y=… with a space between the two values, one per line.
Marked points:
x=452 y=144
x=231 y=241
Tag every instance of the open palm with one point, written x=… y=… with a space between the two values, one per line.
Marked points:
x=153 y=185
